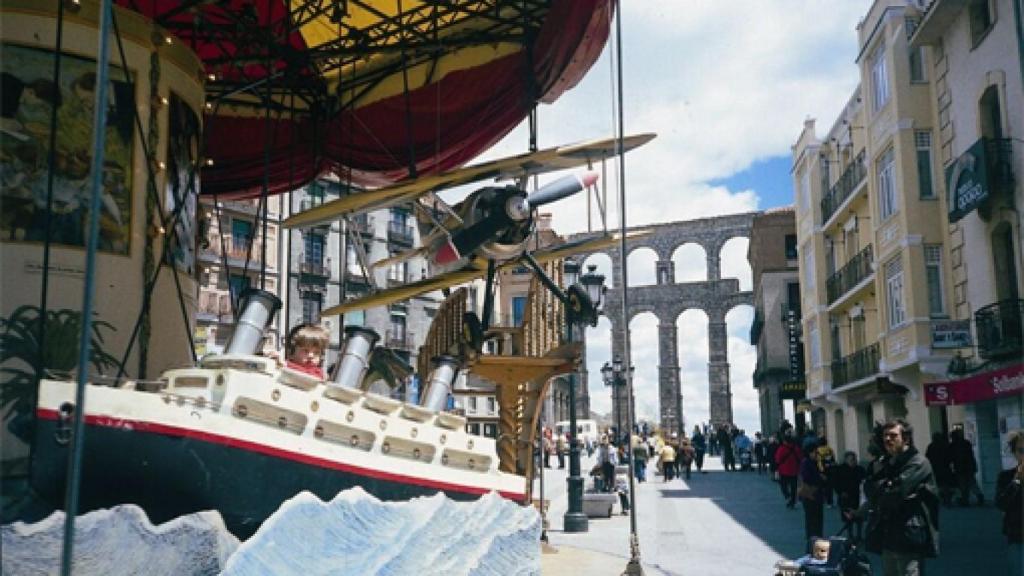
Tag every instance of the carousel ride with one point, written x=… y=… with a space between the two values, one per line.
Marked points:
x=392 y=98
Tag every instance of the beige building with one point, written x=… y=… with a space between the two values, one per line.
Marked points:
x=874 y=265
x=775 y=332
x=977 y=93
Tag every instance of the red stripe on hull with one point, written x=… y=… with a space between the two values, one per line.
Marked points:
x=163 y=429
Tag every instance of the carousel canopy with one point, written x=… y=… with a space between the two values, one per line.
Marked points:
x=375 y=91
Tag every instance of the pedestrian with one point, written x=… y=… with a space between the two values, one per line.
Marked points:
x=903 y=500
x=965 y=468
x=549 y=447
x=811 y=492
x=713 y=441
x=639 y=448
x=700 y=446
x=668 y=461
x=1010 y=501
x=725 y=445
x=938 y=456
x=760 y=451
x=685 y=456
x=772 y=448
x=605 y=464
x=826 y=460
x=847 y=479
x=622 y=489
x=788 y=458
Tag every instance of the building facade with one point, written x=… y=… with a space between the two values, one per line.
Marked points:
x=775 y=331
x=874 y=264
x=976 y=76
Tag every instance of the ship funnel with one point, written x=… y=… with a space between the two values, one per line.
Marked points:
x=355 y=359
x=257 y=311
x=440 y=383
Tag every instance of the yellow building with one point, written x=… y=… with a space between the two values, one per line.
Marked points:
x=874 y=268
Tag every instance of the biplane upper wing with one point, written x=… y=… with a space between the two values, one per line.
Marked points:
x=522 y=165
x=475 y=271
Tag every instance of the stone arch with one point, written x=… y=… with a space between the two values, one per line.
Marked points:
x=691 y=327
x=732 y=255
x=690 y=262
x=598 y=341
x=641 y=262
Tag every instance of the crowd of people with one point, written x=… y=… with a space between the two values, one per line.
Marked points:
x=890 y=504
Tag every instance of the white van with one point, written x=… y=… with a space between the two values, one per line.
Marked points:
x=586 y=429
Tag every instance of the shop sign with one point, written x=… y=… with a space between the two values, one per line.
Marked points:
x=796 y=347
x=967 y=181
x=951 y=333
x=985 y=386
x=793 y=390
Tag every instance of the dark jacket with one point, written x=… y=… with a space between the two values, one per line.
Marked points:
x=1008 y=498
x=904 y=506
x=938 y=457
x=962 y=456
x=699 y=444
x=811 y=476
x=847 y=480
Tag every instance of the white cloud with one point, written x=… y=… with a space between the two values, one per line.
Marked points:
x=724 y=84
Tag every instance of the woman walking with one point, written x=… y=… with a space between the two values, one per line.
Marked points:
x=1009 y=499
x=700 y=446
x=685 y=456
x=812 y=495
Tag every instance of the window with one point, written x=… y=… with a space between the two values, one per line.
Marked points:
x=894 y=292
x=471 y=404
x=923 y=142
x=518 y=310
x=887 y=205
x=917 y=69
x=241 y=233
x=490 y=431
x=491 y=405
x=933 y=274
x=980 y=15
x=398 y=327
x=237 y=283
x=314 y=246
x=879 y=78
x=311 y=304
x=790 y=246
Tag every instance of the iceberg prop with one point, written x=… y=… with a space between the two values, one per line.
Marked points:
x=358 y=534
x=120 y=540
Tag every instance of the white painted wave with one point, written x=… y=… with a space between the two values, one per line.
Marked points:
x=355 y=533
x=358 y=534
x=120 y=540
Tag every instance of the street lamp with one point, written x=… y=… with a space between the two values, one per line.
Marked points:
x=613 y=376
x=593 y=289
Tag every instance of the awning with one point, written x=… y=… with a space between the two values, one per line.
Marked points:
x=1002 y=383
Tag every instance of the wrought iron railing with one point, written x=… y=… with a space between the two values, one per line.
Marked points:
x=313 y=267
x=361 y=224
x=841 y=190
x=1000 y=328
x=399 y=232
x=850 y=275
x=861 y=364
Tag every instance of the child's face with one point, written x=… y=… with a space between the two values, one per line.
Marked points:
x=306 y=354
x=821 y=549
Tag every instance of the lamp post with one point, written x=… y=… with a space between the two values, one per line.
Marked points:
x=613 y=376
x=593 y=284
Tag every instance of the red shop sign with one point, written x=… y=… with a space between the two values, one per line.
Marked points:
x=985 y=386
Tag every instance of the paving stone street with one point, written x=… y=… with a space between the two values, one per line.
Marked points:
x=736 y=524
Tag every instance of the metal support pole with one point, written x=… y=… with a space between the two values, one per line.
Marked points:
x=99 y=132
x=574 y=519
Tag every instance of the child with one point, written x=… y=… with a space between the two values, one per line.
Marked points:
x=305 y=348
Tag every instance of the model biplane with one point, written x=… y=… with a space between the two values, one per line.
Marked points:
x=488 y=231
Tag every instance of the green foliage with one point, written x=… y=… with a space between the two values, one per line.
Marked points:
x=24 y=361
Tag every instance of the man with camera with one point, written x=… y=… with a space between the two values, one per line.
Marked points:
x=902 y=504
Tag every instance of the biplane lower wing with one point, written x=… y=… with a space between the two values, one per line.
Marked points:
x=520 y=166
x=474 y=271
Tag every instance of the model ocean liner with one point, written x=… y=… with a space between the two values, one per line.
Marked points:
x=240 y=434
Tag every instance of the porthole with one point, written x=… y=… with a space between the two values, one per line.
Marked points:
x=275 y=395
x=469 y=445
x=443 y=439
x=282 y=422
x=318 y=432
x=350 y=416
x=220 y=380
x=471 y=464
x=444 y=459
x=413 y=432
x=385 y=447
x=242 y=410
x=416 y=453
x=383 y=424
x=354 y=440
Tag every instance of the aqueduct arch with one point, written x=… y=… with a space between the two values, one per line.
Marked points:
x=668 y=299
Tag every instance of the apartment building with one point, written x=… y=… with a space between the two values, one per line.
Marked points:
x=775 y=330
x=234 y=254
x=874 y=266
x=976 y=76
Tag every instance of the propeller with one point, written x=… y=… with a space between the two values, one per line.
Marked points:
x=517 y=209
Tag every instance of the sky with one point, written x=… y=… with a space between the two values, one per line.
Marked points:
x=726 y=86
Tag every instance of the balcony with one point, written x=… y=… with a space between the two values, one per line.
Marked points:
x=237 y=252
x=397 y=280
x=849 y=276
x=848 y=182
x=361 y=224
x=1000 y=328
x=400 y=233
x=355 y=275
x=312 y=267
x=857 y=366
x=399 y=339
